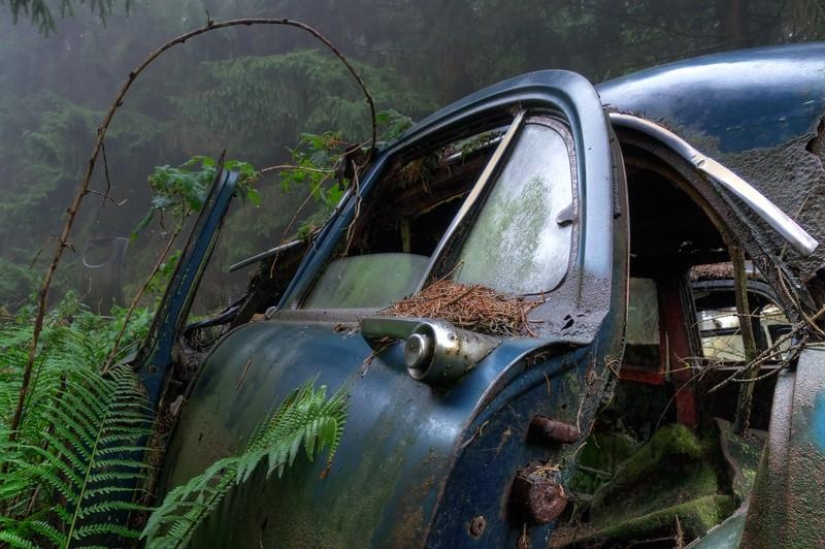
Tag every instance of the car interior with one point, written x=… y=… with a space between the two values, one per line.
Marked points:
x=662 y=464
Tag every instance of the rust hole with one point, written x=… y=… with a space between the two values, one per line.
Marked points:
x=476 y=526
x=551 y=430
x=817 y=144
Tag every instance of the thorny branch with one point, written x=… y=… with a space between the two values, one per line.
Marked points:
x=74 y=206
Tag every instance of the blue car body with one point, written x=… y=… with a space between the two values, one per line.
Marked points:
x=455 y=461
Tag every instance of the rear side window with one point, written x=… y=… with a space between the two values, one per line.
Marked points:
x=719 y=324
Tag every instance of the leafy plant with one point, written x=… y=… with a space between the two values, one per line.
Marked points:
x=70 y=473
x=183 y=190
x=305 y=418
x=319 y=165
x=41 y=13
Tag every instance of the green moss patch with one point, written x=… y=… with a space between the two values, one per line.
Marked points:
x=668 y=487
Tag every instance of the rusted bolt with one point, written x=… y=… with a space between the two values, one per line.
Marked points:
x=544 y=428
x=536 y=496
x=523 y=540
x=476 y=526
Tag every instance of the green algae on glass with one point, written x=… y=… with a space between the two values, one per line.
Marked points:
x=518 y=245
x=374 y=280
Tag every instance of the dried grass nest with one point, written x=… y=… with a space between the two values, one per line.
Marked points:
x=472 y=307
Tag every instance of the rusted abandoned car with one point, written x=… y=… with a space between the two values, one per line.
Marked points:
x=473 y=293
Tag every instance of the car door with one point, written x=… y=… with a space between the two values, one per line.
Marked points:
x=457 y=432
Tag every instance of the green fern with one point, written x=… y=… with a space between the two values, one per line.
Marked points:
x=306 y=417
x=71 y=471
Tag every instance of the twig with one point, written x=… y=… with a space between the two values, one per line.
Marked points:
x=74 y=206
x=288 y=227
x=136 y=300
x=692 y=378
x=776 y=349
x=766 y=355
x=357 y=190
x=243 y=374
x=811 y=322
x=744 y=400
x=105 y=195
x=271 y=169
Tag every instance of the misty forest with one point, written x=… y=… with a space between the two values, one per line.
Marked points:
x=87 y=246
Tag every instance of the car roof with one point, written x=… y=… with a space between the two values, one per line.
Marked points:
x=737 y=101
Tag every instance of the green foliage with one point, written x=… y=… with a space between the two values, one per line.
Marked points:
x=41 y=13
x=17 y=283
x=314 y=161
x=183 y=190
x=318 y=166
x=305 y=418
x=76 y=460
x=268 y=100
x=392 y=124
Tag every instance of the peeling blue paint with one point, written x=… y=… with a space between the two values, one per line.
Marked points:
x=818 y=422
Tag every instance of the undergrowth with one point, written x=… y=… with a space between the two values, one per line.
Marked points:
x=71 y=470
x=75 y=470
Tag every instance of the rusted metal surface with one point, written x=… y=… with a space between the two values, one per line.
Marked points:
x=677 y=358
x=764 y=122
x=476 y=526
x=786 y=507
x=639 y=375
x=537 y=497
x=551 y=430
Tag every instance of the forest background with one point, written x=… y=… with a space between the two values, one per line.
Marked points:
x=254 y=91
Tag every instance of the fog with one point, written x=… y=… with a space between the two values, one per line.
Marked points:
x=253 y=90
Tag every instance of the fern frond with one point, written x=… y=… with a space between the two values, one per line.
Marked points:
x=76 y=460
x=305 y=415
x=14 y=540
x=49 y=532
x=102 y=528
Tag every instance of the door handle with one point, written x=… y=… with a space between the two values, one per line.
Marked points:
x=435 y=351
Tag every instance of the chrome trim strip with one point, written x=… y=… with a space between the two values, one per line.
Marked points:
x=789 y=229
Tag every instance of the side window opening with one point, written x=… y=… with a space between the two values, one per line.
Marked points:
x=387 y=249
x=514 y=236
